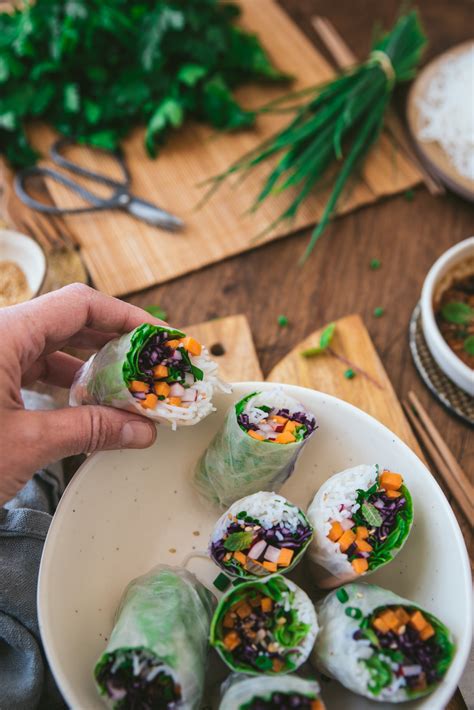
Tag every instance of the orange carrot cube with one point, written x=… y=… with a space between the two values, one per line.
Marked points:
x=286 y=437
x=379 y=624
x=336 y=531
x=160 y=371
x=175 y=401
x=390 y=619
x=360 y=565
x=317 y=705
x=266 y=605
x=417 y=620
x=270 y=566
x=149 y=402
x=362 y=532
x=162 y=389
x=290 y=426
x=137 y=386
x=402 y=615
x=172 y=343
x=392 y=494
x=391 y=481
x=427 y=632
x=192 y=345
x=277 y=665
x=286 y=555
x=228 y=622
x=231 y=640
x=278 y=419
x=240 y=557
x=346 y=540
x=255 y=435
x=363 y=545
x=244 y=610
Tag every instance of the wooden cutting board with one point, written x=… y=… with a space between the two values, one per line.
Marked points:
x=125 y=255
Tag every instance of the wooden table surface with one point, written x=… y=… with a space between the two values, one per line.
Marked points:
x=407 y=236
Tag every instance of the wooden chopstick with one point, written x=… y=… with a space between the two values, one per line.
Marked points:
x=451 y=472
x=345 y=58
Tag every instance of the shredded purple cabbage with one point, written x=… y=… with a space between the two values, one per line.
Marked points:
x=281 y=701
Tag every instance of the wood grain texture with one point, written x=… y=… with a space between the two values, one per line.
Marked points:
x=124 y=255
x=231 y=336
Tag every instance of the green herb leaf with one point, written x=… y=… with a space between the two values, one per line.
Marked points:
x=238 y=541
x=371 y=515
x=457 y=312
x=327 y=336
x=190 y=74
x=156 y=312
x=469 y=345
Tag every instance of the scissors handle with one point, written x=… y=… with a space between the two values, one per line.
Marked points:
x=153 y=214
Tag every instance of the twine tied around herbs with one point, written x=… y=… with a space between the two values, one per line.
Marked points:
x=386 y=65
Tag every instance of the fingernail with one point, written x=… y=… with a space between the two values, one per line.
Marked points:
x=137 y=435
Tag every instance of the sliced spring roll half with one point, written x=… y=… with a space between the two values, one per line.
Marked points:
x=361 y=518
x=380 y=645
x=157 y=371
x=265 y=626
x=256 y=448
x=270 y=693
x=258 y=535
x=156 y=655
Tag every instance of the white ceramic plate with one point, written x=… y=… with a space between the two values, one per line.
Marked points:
x=126 y=511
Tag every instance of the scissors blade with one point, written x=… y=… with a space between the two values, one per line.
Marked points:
x=152 y=214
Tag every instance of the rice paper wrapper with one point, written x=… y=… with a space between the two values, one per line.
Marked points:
x=239 y=690
x=269 y=508
x=292 y=598
x=166 y=612
x=326 y=554
x=337 y=654
x=235 y=465
x=101 y=380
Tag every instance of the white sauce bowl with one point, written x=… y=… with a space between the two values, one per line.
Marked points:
x=452 y=366
x=28 y=254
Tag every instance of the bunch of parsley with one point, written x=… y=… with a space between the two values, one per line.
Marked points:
x=95 y=69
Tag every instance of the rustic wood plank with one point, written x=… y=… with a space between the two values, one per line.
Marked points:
x=124 y=255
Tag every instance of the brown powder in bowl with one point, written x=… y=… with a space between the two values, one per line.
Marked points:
x=13 y=284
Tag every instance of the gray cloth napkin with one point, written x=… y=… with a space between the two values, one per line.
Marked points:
x=25 y=680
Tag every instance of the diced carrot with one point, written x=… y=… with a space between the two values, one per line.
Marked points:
x=278 y=419
x=228 y=622
x=244 y=610
x=391 y=481
x=172 y=343
x=390 y=619
x=277 y=665
x=402 y=615
x=286 y=437
x=417 y=620
x=255 y=435
x=240 y=557
x=286 y=555
x=149 y=402
x=137 y=386
x=175 y=401
x=162 y=389
x=427 y=632
x=270 y=566
x=192 y=345
x=290 y=426
x=379 y=624
x=231 y=640
x=317 y=705
x=266 y=604
x=363 y=545
x=346 y=540
x=160 y=371
x=362 y=532
x=360 y=565
x=336 y=531
x=392 y=494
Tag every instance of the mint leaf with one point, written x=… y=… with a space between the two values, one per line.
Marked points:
x=238 y=541
x=371 y=515
x=457 y=312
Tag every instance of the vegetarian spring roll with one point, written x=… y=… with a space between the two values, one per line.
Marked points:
x=380 y=645
x=156 y=655
x=361 y=519
x=256 y=448
x=258 y=535
x=271 y=693
x=265 y=626
x=156 y=371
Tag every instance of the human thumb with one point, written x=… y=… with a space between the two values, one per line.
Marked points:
x=45 y=436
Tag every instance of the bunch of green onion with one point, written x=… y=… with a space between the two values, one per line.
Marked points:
x=332 y=132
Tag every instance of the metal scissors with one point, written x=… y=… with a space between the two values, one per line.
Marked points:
x=121 y=197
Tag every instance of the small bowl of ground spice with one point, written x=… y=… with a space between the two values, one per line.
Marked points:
x=447 y=311
x=22 y=268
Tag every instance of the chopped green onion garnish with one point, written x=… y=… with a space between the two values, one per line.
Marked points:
x=378 y=311
x=349 y=374
x=222 y=582
x=342 y=595
x=353 y=612
x=282 y=321
x=375 y=264
x=409 y=195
